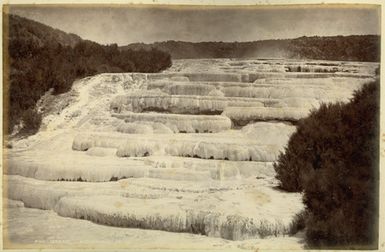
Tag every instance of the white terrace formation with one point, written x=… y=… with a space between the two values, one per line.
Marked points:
x=187 y=150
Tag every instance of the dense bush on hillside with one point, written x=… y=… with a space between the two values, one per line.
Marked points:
x=37 y=63
x=333 y=158
x=354 y=48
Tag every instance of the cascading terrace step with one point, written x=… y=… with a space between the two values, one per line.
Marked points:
x=83 y=167
x=177 y=123
x=250 y=76
x=241 y=116
x=235 y=146
x=218 y=169
x=178 y=104
x=74 y=167
x=229 y=214
x=261 y=88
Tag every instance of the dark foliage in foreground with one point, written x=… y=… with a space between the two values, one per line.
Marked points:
x=353 y=48
x=41 y=58
x=333 y=158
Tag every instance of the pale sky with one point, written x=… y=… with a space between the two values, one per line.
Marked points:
x=129 y=24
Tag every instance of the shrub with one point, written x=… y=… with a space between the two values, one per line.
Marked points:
x=298 y=223
x=31 y=121
x=333 y=159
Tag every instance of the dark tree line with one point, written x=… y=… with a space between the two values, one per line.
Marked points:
x=37 y=65
x=351 y=48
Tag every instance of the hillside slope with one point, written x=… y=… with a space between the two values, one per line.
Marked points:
x=40 y=58
x=350 y=48
x=26 y=29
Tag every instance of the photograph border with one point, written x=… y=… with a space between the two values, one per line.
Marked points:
x=230 y=4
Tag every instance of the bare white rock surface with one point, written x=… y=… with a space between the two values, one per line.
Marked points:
x=174 y=160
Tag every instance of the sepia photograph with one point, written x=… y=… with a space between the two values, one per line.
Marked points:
x=191 y=127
